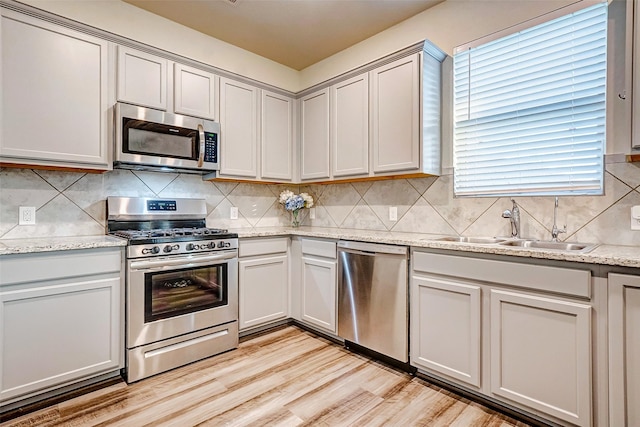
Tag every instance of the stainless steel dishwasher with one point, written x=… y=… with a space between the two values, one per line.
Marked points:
x=372 y=297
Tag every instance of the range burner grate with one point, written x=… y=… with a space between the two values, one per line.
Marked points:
x=134 y=235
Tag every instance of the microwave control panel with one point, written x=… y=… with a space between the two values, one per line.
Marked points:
x=211 y=147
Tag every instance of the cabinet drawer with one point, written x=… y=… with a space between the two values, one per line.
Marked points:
x=262 y=246
x=323 y=248
x=566 y=281
x=24 y=268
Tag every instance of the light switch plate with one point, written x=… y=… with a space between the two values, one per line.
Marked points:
x=233 y=212
x=393 y=213
x=26 y=215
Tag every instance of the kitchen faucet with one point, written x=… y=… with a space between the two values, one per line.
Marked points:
x=555 y=230
x=514 y=216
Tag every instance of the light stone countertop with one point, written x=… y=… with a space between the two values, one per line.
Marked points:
x=623 y=256
x=51 y=244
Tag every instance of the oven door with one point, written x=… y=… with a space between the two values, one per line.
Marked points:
x=171 y=296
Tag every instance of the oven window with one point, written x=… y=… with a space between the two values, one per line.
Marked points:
x=177 y=292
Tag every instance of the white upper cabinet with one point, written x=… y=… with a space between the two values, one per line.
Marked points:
x=314 y=135
x=55 y=79
x=276 y=137
x=194 y=92
x=387 y=121
x=350 y=127
x=238 y=129
x=395 y=92
x=142 y=78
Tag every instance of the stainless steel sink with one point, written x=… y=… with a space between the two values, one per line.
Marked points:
x=479 y=240
x=560 y=246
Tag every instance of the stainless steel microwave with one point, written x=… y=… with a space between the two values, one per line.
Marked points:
x=148 y=139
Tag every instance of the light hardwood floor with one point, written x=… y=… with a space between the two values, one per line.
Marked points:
x=287 y=377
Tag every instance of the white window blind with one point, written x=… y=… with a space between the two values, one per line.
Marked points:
x=530 y=110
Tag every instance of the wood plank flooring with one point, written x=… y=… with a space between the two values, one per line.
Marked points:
x=288 y=377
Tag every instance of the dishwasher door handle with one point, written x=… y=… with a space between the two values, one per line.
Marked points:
x=355 y=252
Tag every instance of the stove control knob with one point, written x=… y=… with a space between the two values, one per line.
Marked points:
x=170 y=248
x=192 y=247
x=153 y=250
x=211 y=245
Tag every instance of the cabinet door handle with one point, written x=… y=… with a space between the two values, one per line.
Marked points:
x=201 y=136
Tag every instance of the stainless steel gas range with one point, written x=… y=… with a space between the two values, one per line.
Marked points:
x=181 y=283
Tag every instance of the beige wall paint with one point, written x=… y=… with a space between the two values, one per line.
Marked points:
x=129 y=21
x=447 y=25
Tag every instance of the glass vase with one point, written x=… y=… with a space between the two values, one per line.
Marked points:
x=295 y=220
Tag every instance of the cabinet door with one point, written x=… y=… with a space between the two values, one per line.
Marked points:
x=277 y=136
x=142 y=78
x=318 y=292
x=238 y=129
x=541 y=354
x=624 y=350
x=314 y=110
x=445 y=328
x=264 y=288
x=54 y=80
x=52 y=334
x=194 y=92
x=395 y=120
x=350 y=127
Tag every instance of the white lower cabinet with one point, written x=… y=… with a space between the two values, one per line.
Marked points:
x=263 y=274
x=446 y=320
x=318 y=285
x=541 y=354
x=518 y=333
x=624 y=350
x=61 y=319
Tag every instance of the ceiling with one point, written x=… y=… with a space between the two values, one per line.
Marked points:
x=295 y=33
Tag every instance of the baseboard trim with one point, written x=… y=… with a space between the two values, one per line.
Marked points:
x=38 y=402
x=497 y=406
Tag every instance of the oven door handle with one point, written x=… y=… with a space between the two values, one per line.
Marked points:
x=201 y=260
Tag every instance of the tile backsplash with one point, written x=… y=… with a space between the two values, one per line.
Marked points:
x=74 y=204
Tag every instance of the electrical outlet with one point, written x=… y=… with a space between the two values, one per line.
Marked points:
x=26 y=215
x=393 y=213
x=233 y=212
x=635 y=217
x=312 y=213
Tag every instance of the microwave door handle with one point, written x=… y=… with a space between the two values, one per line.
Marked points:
x=201 y=135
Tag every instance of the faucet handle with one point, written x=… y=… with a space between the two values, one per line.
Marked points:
x=555 y=231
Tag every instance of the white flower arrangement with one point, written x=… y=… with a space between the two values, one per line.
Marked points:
x=294 y=203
